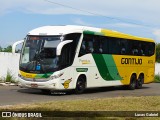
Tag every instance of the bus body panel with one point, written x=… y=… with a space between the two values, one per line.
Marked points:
x=127 y=68
x=87 y=66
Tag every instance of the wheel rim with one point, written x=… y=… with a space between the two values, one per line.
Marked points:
x=132 y=83
x=139 y=82
x=80 y=86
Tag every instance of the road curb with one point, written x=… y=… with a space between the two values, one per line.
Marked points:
x=8 y=84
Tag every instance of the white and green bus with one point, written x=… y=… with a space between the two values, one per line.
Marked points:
x=79 y=57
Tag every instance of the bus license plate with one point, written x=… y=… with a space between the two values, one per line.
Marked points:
x=34 y=85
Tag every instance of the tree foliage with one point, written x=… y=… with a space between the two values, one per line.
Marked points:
x=7 y=49
x=1 y=49
x=158 y=52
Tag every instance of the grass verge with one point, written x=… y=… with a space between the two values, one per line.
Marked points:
x=150 y=103
x=147 y=103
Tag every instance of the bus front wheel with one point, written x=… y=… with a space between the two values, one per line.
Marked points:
x=80 y=85
x=132 y=84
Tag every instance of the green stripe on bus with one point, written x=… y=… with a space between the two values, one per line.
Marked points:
x=46 y=75
x=92 y=33
x=106 y=67
x=81 y=69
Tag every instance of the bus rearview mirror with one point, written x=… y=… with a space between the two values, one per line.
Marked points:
x=60 y=46
x=15 y=44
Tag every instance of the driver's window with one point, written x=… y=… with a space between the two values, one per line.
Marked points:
x=66 y=56
x=87 y=45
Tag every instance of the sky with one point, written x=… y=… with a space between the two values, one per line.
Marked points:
x=136 y=17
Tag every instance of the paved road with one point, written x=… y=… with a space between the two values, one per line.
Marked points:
x=10 y=95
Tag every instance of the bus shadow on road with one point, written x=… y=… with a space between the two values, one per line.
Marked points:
x=87 y=91
x=31 y=91
x=110 y=89
x=40 y=92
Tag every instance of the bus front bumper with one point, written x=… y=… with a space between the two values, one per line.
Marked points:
x=50 y=84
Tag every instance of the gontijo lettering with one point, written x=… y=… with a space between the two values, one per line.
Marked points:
x=131 y=61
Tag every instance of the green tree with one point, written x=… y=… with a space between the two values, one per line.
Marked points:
x=1 y=49
x=158 y=52
x=8 y=49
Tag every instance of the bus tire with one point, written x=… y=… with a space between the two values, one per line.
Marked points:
x=139 y=82
x=132 y=84
x=80 y=85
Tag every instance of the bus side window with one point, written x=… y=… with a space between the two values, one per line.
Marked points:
x=100 y=45
x=87 y=45
x=83 y=46
x=83 y=49
x=123 y=49
x=134 y=47
x=135 y=51
x=89 y=48
x=140 y=50
x=143 y=47
x=100 y=49
x=151 y=49
x=104 y=45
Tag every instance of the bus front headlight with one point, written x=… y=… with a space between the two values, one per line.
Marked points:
x=56 y=76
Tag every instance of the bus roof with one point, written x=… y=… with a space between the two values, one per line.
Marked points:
x=60 y=30
x=112 y=33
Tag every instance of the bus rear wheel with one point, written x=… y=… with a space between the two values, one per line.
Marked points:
x=80 y=86
x=139 y=82
x=132 y=84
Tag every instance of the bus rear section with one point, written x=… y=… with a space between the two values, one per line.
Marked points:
x=117 y=59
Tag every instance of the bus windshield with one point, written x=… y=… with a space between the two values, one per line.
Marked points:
x=39 y=54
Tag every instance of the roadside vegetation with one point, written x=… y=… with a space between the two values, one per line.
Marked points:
x=146 y=103
x=9 y=78
x=158 y=52
x=157 y=78
x=7 y=49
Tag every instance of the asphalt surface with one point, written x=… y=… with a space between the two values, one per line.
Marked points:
x=12 y=95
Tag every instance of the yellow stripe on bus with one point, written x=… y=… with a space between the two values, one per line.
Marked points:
x=27 y=75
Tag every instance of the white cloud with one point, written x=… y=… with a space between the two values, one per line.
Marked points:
x=79 y=21
x=146 y=11
x=141 y=10
x=36 y=6
x=157 y=35
x=122 y=25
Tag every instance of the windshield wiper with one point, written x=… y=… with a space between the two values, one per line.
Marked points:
x=30 y=64
x=38 y=56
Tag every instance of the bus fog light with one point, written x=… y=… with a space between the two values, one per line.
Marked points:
x=54 y=84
